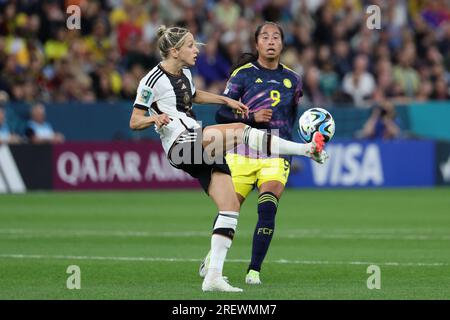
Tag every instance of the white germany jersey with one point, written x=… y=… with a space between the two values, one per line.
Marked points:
x=161 y=92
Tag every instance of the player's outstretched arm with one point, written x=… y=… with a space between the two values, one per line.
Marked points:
x=208 y=97
x=140 y=121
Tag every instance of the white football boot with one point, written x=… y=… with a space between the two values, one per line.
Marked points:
x=219 y=284
x=203 y=269
x=321 y=157
x=204 y=265
x=317 y=153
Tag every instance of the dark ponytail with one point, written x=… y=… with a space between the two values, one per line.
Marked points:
x=244 y=59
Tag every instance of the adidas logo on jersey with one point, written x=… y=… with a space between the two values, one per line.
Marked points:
x=258 y=80
x=183 y=87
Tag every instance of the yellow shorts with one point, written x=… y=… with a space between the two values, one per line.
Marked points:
x=246 y=172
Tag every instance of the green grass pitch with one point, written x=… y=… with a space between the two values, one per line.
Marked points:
x=148 y=245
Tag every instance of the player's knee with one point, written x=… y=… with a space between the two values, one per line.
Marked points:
x=234 y=204
x=229 y=203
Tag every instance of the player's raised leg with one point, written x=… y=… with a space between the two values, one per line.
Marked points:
x=221 y=190
x=219 y=138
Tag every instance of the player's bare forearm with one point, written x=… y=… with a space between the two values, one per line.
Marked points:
x=208 y=97
x=140 y=121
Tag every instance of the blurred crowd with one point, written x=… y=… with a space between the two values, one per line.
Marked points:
x=326 y=41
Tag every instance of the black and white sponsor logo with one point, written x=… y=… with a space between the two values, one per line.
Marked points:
x=10 y=179
x=115 y=167
x=350 y=165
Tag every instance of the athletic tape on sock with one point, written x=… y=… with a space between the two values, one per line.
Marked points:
x=226 y=223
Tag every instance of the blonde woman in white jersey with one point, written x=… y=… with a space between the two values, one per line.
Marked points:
x=167 y=93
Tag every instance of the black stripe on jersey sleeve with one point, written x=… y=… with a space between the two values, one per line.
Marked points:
x=152 y=84
x=150 y=78
x=140 y=106
x=154 y=106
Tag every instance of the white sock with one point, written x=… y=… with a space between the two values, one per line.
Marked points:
x=226 y=223
x=219 y=249
x=258 y=140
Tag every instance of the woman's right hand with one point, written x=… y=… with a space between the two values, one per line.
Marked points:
x=237 y=105
x=161 y=120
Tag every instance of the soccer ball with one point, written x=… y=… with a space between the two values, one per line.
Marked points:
x=316 y=119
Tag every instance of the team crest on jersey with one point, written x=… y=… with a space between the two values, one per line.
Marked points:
x=145 y=96
x=287 y=83
x=186 y=98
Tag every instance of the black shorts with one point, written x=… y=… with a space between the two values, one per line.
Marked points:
x=187 y=153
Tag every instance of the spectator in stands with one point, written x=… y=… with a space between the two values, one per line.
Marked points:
x=98 y=44
x=386 y=88
x=382 y=123
x=39 y=130
x=325 y=19
x=444 y=41
x=40 y=59
x=341 y=58
x=404 y=73
x=425 y=91
x=6 y=136
x=311 y=88
x=329 y=80
x=5 y=133
x=212 y=66
x=227 y=13
x=441 y=90
x=359 y=83
x=57 y=47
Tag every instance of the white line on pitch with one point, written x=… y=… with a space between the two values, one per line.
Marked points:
x=280 y=261
x=294 y=234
